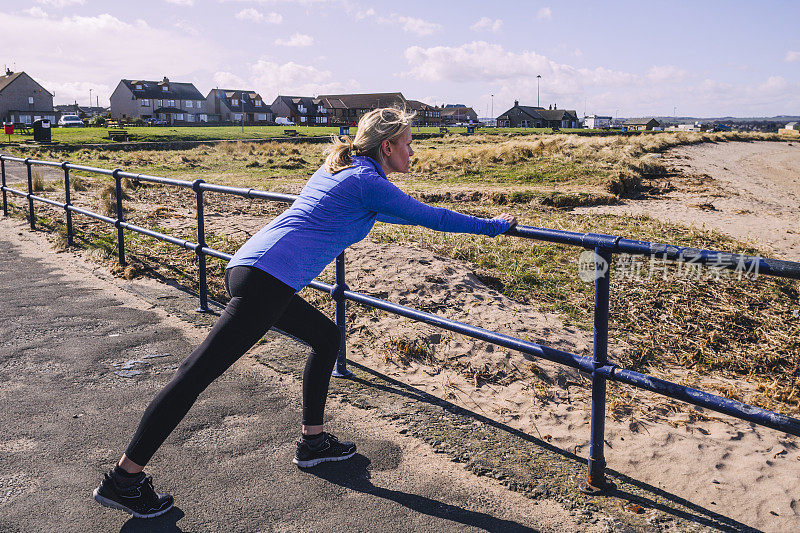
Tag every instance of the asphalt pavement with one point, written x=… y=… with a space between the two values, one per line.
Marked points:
x=79 y=361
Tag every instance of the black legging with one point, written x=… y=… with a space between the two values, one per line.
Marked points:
x=258 y=302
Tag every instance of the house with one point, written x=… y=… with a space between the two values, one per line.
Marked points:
x=302 y=110
x=792 y=128
x=458 y=114
x=537 y=117
x=347 y=109
x=177 y=103
x=233 y=105
x=22 y=99
x=80 y=110
x=424 y=114
x=641 y=124
x=596 y=122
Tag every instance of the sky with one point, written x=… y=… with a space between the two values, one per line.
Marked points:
x=617 y=58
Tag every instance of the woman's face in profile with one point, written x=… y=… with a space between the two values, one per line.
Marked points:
x=399 y=153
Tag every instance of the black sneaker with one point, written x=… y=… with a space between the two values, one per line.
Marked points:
x=330 y=449
x=139 y=498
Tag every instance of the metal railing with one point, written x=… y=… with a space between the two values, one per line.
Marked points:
x=604 y=246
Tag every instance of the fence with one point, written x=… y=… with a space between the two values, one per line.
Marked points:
x=604 y=246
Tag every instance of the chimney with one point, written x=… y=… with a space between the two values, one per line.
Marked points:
x=555 y=106
x=516 y=103
x=9 y=72
x=166 y=79
x=550 y=107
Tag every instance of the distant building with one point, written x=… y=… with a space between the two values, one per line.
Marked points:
x=596 y=122
x=347 y=109
x=792 y=128
x=537 y=117
x=174 y=102
x=22 y=99
x=456 y=114
x=425 y=115
x=302 y=110
x=80 y=110
x=236 y=105
x=641 y=124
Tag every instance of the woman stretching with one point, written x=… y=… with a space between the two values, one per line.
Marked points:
x=336 y=208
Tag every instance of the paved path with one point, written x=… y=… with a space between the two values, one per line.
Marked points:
x=79 y=360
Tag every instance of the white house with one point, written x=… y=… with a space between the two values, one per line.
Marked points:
x=595 y=122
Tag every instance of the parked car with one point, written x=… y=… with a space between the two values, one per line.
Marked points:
x=70 y=121
x=283 y=121
x=156 y=122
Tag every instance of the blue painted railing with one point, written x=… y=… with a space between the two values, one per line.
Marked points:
x=604 y=246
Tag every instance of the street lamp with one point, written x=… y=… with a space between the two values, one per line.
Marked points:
x=492 y=116
x=538 y=77
x=90 y=98
x=241 y=107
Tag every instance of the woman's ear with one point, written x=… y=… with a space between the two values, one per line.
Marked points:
x=386 y=147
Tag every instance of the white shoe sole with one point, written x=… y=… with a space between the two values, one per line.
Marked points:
x=314 y=462
x=105 y=502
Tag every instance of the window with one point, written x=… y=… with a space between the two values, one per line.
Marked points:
x=234 y=101
x=178 y=116
x=302 y=108
x=145 y=102
x=164 y=88
x=199 y=104
x=237 y=117
x=159 y=103
x=30 y=99
x=189 y=117
x=138 y=86
x=203 y=117
x=189 y=104
x=170 y=103
x=257 y=103
x=321 y=109
x=261 y=117
x=302 y=119
x=25 y=118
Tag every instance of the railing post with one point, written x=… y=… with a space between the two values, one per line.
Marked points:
x=3 y=174
x=596 y=480
x=202 y=289
x=117 y=223
x=31 y=214
x=338 y=295
x=67 y=202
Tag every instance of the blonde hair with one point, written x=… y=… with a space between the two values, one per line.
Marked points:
x=383 y=124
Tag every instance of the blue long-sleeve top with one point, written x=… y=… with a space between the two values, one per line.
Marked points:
x=337 y=210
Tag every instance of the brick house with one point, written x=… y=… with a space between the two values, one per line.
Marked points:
x=302 y=110
x=347 y=109
x=426 y=115
x=22 y=99
x=641 y=124
x=233 y=105
x=458 y=114
x=521 y=116
x=177 y=103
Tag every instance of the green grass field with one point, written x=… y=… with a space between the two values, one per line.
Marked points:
x=97 y=135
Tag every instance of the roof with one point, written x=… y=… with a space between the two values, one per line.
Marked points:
x=364 y=100
x=639 y=121
x=460 y=111
x=792 y=125
x=243 y=97
x=416 y=105
x=8 y=79
x=556 y=114
x=153 y=89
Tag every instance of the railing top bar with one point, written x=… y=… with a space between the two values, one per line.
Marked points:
x=250 y=193
x=12 y=158
x=90 y=169
x=155 y=179
x=724 y=260
x=44 y=163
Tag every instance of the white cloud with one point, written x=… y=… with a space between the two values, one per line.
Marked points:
x=408 y=24
x=68 y=53
x=298 y=39
x=414 y=25
x=254 y=15
x=37 y=12
x=181 y=2
x=791 y=56
x=271 y=78
x=61 y=3
x=187 y=27
x=666 y=74
x=577 y=52
x=487 y=24
x=544 y=14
